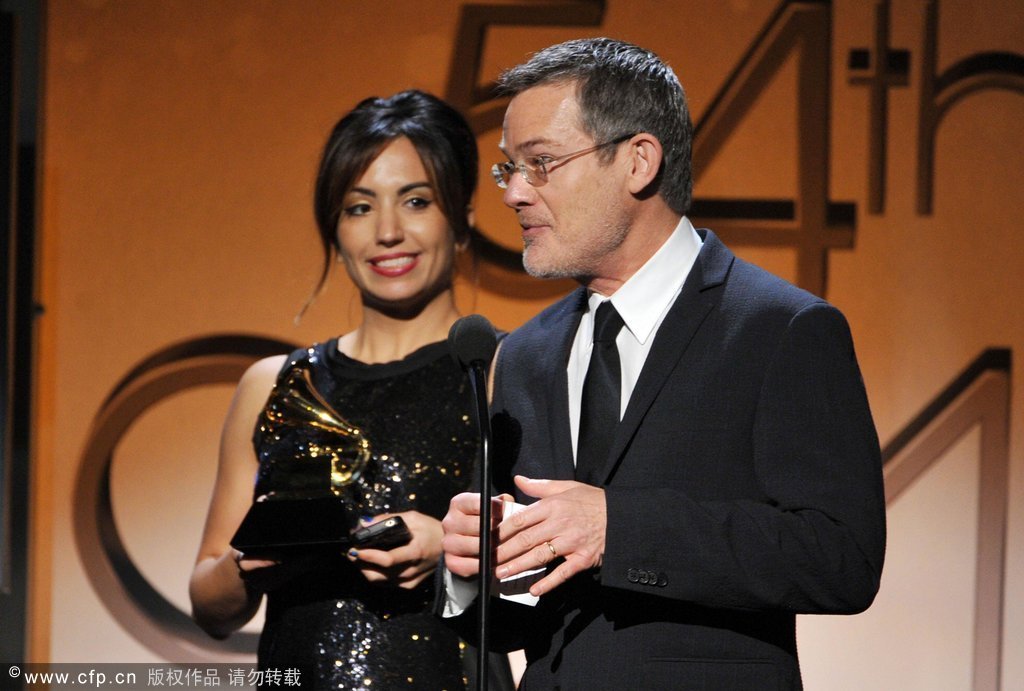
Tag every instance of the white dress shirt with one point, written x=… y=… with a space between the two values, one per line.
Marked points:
x=642 y=302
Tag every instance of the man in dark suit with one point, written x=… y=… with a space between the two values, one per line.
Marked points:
x=690 y=433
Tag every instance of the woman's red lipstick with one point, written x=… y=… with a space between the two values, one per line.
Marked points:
x=395 y=264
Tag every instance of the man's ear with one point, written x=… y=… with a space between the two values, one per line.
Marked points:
x=645 y=156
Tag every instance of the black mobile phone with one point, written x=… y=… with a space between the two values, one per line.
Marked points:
x=386 y=534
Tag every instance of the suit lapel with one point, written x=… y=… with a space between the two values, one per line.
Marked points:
x=562 y=333
x=695 y=302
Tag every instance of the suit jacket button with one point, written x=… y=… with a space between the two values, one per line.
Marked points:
x=652 y=578
x=662 y=580
x=631 y=576
x=643 y=577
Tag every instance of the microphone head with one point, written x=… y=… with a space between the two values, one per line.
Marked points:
x=472 y=340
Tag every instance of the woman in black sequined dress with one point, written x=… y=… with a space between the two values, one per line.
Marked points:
x=392 y=203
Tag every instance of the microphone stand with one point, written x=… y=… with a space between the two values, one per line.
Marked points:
x=479 y=380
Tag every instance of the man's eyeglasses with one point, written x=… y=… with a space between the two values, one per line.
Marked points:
x=535 y=169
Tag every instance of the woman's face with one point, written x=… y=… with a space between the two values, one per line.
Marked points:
x=397 y=245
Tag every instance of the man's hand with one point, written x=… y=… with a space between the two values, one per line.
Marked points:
x=569 y=521
x=461 y=542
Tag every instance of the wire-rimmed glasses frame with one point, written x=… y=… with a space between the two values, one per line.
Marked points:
x=535 y=169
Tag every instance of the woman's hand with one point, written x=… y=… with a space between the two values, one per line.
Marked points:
x=260 y=575
x=408 y=565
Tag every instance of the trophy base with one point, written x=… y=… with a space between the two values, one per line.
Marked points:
x=288 y=527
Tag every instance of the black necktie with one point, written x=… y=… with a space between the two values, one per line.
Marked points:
x=599 y=407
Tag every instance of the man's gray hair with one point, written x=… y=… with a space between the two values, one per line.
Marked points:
x=620 y=89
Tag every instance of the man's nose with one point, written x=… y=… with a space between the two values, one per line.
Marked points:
x=518 y=192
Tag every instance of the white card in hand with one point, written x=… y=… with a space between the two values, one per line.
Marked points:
x=517 y=588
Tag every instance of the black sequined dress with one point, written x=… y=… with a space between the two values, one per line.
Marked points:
x=337 y=629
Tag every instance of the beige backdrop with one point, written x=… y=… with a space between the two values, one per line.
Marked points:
x=179 y=142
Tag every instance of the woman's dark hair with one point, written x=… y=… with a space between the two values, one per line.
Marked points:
x=442 y=137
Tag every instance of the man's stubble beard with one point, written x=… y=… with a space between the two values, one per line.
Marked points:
x=579 y=262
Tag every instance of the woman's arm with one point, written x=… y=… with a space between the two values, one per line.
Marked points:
x=222 y=602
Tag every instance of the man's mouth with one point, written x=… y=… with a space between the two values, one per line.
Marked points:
x=532 y=226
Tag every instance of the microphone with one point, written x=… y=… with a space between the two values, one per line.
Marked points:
x=472 y=342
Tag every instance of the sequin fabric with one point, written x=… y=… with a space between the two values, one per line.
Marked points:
x=330 y=623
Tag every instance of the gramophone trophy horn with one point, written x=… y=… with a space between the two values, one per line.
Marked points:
x=296 y=403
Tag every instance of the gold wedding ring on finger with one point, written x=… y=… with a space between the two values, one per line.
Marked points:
x=551 y=547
